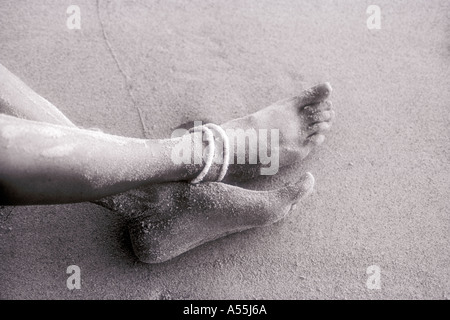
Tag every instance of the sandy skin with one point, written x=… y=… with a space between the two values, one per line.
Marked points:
x=302 y=122
x=167 y=220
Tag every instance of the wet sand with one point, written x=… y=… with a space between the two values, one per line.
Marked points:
x=382 y=176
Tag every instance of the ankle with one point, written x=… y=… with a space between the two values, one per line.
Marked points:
x=204 y=152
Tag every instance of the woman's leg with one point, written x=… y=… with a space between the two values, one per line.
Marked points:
x=46 y=163
x=52 y=161
x=55 y=162
x=45 y=158
x=19 y=100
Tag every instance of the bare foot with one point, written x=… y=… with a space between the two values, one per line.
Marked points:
x=166 y=220
x=301 y=122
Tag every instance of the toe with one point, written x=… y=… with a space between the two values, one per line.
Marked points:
x=317 y=107
x=322 y=116
x=315 y=94
x=316 y=139
x=266 y=207
x=284 y=199
x=294 y=192
x=319 y=127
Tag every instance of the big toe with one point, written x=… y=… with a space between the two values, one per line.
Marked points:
x=315 y=94
x=294 y=192
x=283 y=200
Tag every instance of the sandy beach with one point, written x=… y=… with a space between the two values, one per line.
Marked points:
x=382 y=176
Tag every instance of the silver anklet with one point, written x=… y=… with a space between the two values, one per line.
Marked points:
x=210 y=152
x=211 y=149
x=226 y=149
